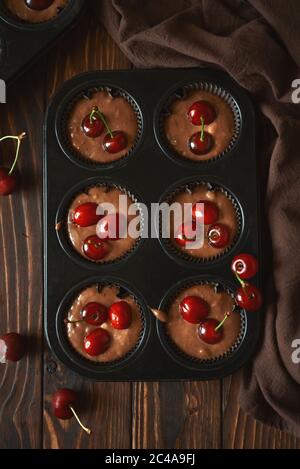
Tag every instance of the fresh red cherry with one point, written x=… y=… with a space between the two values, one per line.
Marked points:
x=248 y=297
x=112 y=227
x=218 y=236
x=201 y=109
x=193 y=309
x=93 y=313
x=38 y=4
x=63 y=402
x=209 y=332
x=208 y=214
x=115 y=141
x=120 y=315
x=201 y=143
x=8 y=181
x=12 y=347
x=185 y=234
x=97 y=342
x=244 y=265
x=95 y=248
x=86 y=214
x=93 y=125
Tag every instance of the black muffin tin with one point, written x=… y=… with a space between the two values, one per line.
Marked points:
x=22 y=42
x=149 y=272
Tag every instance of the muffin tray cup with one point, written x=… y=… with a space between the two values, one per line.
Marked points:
x=22 y=42
x=148 y=272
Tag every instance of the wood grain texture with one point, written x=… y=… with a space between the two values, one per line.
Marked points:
x=242 y=431
x=176 y=415
x=122 y=415
x=21 y=266
x=106 y=406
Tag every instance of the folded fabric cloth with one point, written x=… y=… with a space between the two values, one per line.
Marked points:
x=258 y=43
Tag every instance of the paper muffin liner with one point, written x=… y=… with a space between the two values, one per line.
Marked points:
x=63 y=234
x=63 y=134
x=174 y=350
x=123 y=293
x=176 y=253
x=6 y=13
x=181 y=93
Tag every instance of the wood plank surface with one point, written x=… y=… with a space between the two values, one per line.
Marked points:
x=122 y=415
x=21 y=265
x=177 y=415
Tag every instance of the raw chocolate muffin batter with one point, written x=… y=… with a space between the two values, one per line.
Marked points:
x=122 y=341
x=77 y=234
x=178 y=127
x=227 y=216
x=185 y=335
x=119 y=115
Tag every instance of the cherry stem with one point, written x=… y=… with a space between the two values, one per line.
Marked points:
x=87 y=430
x=243 y=284
x=18 y=138
x=202 y=129
x=97 y=112
x=222 y=322
x=67 y=321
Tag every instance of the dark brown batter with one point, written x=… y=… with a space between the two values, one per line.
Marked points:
x=77 y=234
x=119 y=115
x=227 y=216
x=122 y=341
x=184 y=334
x=179 y=129
x=21 y=10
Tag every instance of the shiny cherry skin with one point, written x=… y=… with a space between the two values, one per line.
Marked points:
x=94 y=313
x=38 y=4
x=115 y=143
x=97 y=342
x=185 y=234
x=193 y=309
x=201 y=109
x=208 y=333
x=86 y=214
x=244 y=265
x=249 y=297
x=8 y=182
x=95 y=248
x=120 y=315
x=12 y=347
x=62 y=400
x=92 y=126
x=200 y=146
x=112 y=227
x=209 y=214
x=218 y=236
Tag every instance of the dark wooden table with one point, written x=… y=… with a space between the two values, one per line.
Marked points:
x=122 y=415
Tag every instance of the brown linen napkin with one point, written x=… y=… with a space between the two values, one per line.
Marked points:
x=258 y=43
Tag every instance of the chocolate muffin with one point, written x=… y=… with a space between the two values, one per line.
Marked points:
x=219 y=211
x=102 y=126
x=35 y=11
x=111 y=247
x=182 y=125
x=121 y=341
x=185 y=334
